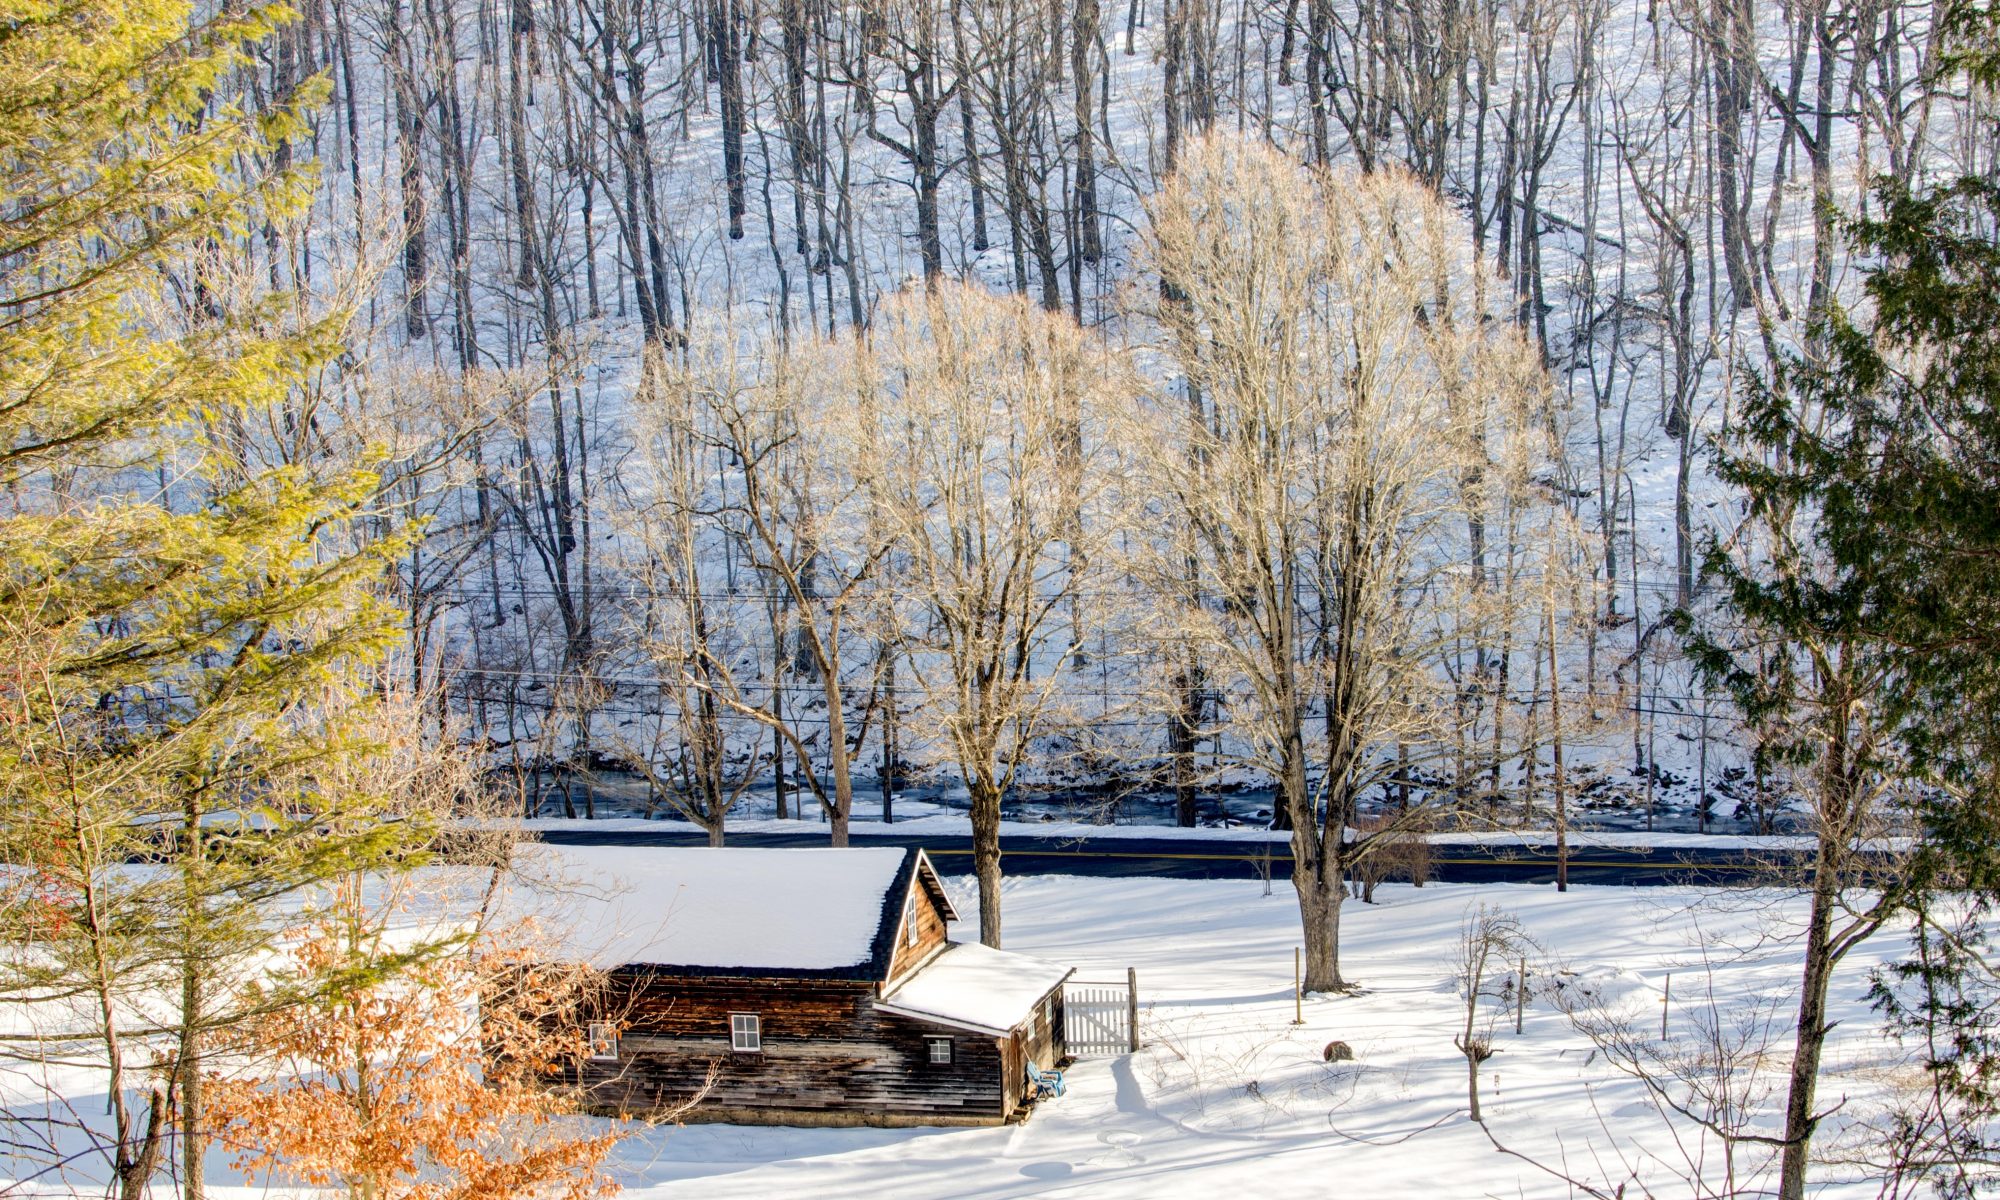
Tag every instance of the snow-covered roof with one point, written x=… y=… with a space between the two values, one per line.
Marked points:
x=976 y=987
x=825 y=913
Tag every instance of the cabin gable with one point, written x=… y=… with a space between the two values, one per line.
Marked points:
x=921 y=924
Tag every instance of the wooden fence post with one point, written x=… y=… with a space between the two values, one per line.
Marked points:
x=1132 y=1008
x=1521 y=995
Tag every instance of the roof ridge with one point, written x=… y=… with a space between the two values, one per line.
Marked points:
x=882 y=950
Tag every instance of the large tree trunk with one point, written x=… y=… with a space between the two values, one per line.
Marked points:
x=1317 y=881
x=1316 y=872
x=986 y=855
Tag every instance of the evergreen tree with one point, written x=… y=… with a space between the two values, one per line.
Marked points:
x=1793 y=649
x=190 y=641
x=1866 y=592
x=1908 y=481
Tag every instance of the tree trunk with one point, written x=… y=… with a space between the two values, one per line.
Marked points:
x=1809 y=1039
x=1170 y=82
x=888 y=780
x=1556 y=758
x=1731 y=69
x=188 y=1051
x=1317 y=882
x=777 y=735
x=1315 y=869
x=409 y=133
x=930 y=241
x=136 y=1171
x=842 y=808
x=986 y=855
x=975 y=184
x=520 y=23
x=727 y=34
x=1084 y=45
x=1319 y=19
x=1181 y=732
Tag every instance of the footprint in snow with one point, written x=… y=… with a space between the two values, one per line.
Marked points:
x=1118 y=1150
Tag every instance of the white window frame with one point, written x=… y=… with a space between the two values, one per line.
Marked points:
x=603 y=1041
x=746 y=1033
x=944 y=1044
x=910 y=921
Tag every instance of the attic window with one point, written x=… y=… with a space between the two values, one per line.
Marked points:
x=910 y=922
x=745 y=1034
x=603 y=1042
x=940 y=1050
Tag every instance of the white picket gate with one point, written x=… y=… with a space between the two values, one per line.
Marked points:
x=1101 y=1016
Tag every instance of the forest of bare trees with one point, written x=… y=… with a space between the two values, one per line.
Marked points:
x=1357 y=450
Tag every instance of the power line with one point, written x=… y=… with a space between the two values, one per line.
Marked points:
x=1123 y=692
x=469 y=595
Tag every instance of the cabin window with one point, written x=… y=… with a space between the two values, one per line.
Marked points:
x=910 y=922
x=745 y=1033
x=940 y=1050
x=603 y=1042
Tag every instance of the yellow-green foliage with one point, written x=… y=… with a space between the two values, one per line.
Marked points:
x=189 y=643
x=214 y=604
x=120 y=161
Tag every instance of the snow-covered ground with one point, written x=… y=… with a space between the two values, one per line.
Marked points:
x=1230 y=1098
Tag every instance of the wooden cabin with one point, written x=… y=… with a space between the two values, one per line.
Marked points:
x=801 y=987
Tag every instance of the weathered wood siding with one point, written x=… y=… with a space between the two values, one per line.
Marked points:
x=1043 y=1038
x=826 y=1052
x=931 y=932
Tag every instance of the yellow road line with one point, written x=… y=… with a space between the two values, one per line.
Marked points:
x=1449 y=862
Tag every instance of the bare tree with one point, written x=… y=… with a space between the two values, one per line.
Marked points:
x=1705 y=1073
x=1490 y=940
x=979 y=419
x=691 y=627
x=908 y=37
x=1330 y=334
x=785 y=432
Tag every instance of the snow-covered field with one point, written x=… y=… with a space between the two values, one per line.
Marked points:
x=1229 y=1097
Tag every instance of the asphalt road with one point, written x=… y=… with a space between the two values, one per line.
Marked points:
x=1197 y=858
